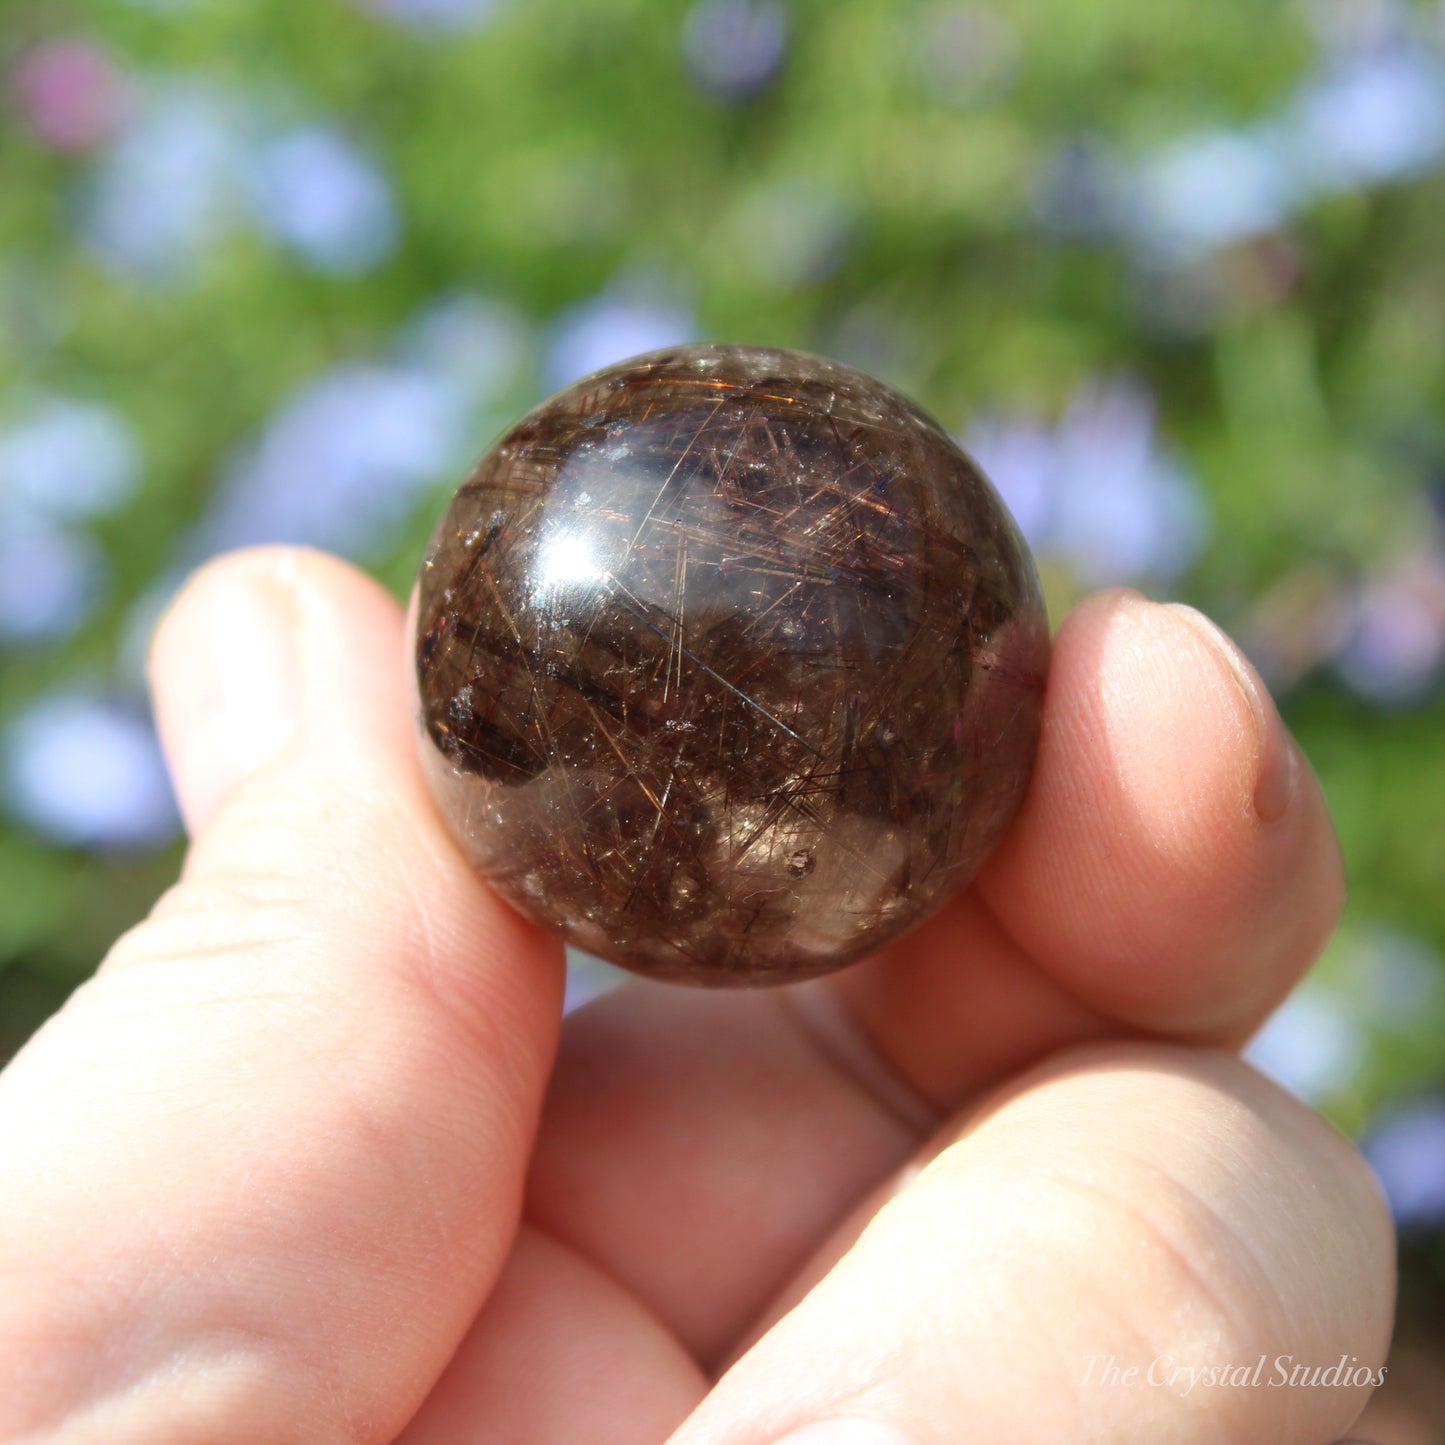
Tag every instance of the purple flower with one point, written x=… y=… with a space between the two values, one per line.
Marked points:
x=1374 y=118
x=342 y=464
x=1394 y=649
x=1311 y=1045
x=314 y=192
x=1123 y=510
x=168 y=191
x=69 y=94
x=190 y=170
x=1407 y=1152
x=1020 y=459
x=68 y=459
x=1375 y=113
x=611 y=328
x=1211 y=189
x=734 y=48
x=1098 y=490
x=87 y=772
x=478 y=344
x=50 y=578
x=1082 y=191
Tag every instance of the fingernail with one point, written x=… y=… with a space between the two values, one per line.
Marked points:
x=1274 y=783
x=845 y=1432
x=226 y=680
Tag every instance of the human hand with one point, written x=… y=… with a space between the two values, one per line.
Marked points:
x=290 y=1168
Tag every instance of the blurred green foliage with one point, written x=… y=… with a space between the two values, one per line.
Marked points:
x=885 y=197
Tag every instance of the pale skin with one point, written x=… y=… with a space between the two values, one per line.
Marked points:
x=314 y=1159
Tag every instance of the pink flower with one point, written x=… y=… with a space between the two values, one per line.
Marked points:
x=69 y=94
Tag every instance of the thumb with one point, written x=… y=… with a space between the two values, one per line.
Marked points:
x=259 y=1174
x=227 y=676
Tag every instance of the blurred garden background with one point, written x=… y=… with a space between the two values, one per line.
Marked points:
x=1175 y=273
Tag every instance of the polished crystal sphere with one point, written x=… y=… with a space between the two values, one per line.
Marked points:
x=729 y=665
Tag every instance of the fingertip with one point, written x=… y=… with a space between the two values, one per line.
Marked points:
x=225 y=677
x=258 y=646
x=1277 y=758
x=1174 y=862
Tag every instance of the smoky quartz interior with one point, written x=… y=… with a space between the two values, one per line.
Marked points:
x=730 y=665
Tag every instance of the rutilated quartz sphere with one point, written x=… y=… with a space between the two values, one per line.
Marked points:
x=729 y=665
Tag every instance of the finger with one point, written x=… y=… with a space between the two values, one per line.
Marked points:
x=560 y=1352
x=1173 y=870
x=1176 y=866
x=256 y=1178
x=696 y=1145
x=1146 y=1209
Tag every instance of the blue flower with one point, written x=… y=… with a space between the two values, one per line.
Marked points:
x=611 y=328
x=1019 y=457
x=1082 y=193
x=1407 y=1152
x=1371 y=119
x=313 y=191
x=1394 y=646
x=169 y=189
x=1211 y=189
x=734 y=48
x=50 y=579
x=1312 y=1044
x=1098 y=491
x=478 y=344
x=68 y=459
x=87 y=772
x=1123 y=510
x=341 y=465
